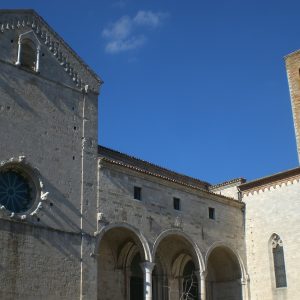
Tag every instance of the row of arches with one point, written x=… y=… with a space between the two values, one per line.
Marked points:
x=173 y=270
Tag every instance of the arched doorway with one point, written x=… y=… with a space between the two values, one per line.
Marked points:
x=120 y=254
x=223 y=281
x=179 y=269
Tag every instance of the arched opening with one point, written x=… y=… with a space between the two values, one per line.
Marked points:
x=159 y=282
x=136 y=279
x=28 y=55
x=223 y=281
x=190 y=282
x=120 y=274
x=179 y=267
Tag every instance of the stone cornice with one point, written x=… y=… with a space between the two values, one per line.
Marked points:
x=268 y=182
x=229 y=183
x=72 y=64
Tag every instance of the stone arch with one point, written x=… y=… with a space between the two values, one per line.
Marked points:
x=179 y=254
x=120 y=250
x=226 y=245
x=225 y=273
x=169 y=232
x=141 y=238
x=29 y=51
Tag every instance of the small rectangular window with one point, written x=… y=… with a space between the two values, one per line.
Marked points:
x=137 y=193
x=176 y=203
x=211 y=213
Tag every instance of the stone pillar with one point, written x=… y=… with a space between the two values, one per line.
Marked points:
x=147 y=268
x=37 y=66
x=244 y=287
x=201 y=285
x=18 y=62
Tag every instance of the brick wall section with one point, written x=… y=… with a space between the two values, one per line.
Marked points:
x=292 y=62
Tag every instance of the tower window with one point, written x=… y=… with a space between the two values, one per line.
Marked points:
x=28 y=55
x=278 y=259
x=176 y=203
x=211 y=213
x=137 y=193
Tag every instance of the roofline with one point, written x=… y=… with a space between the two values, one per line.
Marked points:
x=290 y=54
x=66 y=45
x=217 y=197
x=269 y=179
x=154 y=165
x=229 y=182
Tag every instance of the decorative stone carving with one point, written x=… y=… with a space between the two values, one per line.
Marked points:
x=178 y=222
x=276 y=241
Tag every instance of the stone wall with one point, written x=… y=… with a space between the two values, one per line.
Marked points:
x=50 y=124
x=38 y=263
x=154 y=214
x=273 y=209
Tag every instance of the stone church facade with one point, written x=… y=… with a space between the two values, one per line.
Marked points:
x=81 y=221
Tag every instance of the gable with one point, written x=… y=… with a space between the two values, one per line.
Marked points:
x=15 y=23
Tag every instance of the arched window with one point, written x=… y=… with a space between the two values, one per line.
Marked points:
x=29 y=51
x=28 y=55
x=278 y=259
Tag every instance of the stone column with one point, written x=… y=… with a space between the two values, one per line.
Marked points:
x=37 y=66
x=18 y=62
x=244 y=287
x=201 y=285
x=147 y=268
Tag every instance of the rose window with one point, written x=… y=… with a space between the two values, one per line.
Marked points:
x=15 y=191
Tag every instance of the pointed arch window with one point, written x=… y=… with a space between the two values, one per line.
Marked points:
x=278 y=260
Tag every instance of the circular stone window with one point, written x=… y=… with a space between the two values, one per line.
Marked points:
x=17 y=190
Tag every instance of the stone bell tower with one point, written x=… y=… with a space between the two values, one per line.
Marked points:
x=292 y=62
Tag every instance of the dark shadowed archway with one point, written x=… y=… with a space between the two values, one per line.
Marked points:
x=223 y=281
x=121 y=251
x=178 y=258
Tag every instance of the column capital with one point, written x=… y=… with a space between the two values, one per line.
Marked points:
x=201 y=274
x=147 y=266
x=245 y=279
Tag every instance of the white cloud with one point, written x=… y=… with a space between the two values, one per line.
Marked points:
x=117 y=46
x=149 y=18
x=118 y=30
x=123 y=35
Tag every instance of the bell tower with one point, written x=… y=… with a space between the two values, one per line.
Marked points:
x=292 y=62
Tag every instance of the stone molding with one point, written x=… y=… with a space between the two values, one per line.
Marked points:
x=271 y=186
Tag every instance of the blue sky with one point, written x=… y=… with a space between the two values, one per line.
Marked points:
x=196 y=86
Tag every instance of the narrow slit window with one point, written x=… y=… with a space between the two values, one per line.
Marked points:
x=279 y=264
x=176 y=203
x=211 y=213
x=137 y=193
